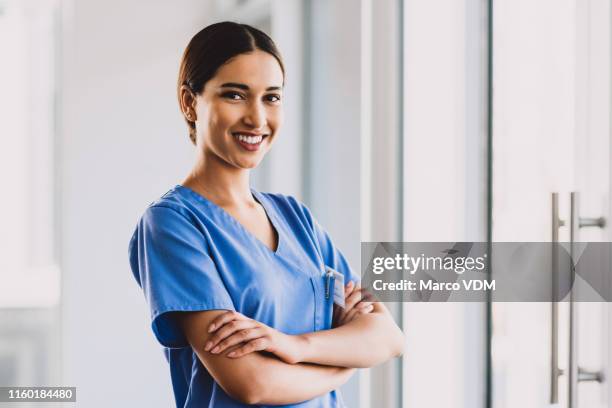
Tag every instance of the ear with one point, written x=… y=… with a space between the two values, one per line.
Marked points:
x=188 y=103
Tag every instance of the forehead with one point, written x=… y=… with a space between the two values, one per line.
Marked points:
x=257 y=69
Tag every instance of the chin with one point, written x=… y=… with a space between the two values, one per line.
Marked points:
x=248 y=164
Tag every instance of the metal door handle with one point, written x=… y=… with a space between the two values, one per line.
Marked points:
x=592 y=222
x=587 y=376
x=576 y=374
x=572 y=367
x=555 y=371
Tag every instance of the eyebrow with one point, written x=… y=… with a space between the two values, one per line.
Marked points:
x=246 y=87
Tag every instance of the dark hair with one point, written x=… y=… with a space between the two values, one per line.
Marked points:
x=212 y=47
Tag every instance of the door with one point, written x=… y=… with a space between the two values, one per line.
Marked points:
x=551 y=138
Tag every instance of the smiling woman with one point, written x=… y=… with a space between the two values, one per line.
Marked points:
x=230 y=273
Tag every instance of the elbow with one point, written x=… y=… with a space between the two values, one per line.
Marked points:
x=398 y=343
x=249 y=394
x=389 y=343
x=248 y=397
x=249 y=391
x=395 y=341
x=391 y=346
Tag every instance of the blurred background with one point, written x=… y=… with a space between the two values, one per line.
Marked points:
x=416 y=120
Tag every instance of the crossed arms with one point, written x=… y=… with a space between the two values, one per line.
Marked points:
x=256 y=364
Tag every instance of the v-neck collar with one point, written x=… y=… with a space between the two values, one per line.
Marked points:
x=260 y=199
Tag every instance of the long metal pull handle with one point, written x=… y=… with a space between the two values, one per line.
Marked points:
x=572 y=367
x=575 y=373
x=555 y=371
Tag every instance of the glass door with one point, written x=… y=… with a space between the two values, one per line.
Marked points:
x=550 y=143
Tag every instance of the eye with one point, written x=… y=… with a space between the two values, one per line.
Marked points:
x=232 y=95
x=274 y=98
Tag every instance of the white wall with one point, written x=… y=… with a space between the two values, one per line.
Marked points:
x=122 y=145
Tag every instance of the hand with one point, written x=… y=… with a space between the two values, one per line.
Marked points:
x=356 y=303
x=244 y=335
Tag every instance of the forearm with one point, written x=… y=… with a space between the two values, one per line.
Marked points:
x=293 y=383
x=260 y=378
x=366 y=341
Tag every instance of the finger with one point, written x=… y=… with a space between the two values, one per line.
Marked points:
x=353 y=299
x=344 y=318
x=365 y=310
x=354 y=312
x=348 y=289
x=259 y=344
x=227 y=330
x=222 y=319
x=238 y=337
x=351 y=315
x=362 y=305
x=340 y=318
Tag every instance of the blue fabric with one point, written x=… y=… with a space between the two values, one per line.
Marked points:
x=188 y=254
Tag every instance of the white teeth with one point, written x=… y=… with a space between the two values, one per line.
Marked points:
x=250 y=139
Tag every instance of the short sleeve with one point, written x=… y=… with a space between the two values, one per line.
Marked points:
x=170 y=261
x=331 y=255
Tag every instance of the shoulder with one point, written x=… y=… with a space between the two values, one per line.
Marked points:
x=169 y=214
x=176 y=205
x=174 y=201
x=169 y=209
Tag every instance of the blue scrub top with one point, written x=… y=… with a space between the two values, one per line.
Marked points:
x=188 y=254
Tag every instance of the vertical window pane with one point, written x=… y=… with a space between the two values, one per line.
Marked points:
x=27 y=45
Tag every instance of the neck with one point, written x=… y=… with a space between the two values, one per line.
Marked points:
x=218 y=181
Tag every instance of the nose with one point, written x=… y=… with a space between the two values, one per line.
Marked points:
x=255 y=116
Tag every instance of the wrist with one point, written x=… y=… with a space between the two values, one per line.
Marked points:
x=290 y=348
x=304 y=346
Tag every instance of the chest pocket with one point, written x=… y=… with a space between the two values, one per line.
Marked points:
x=322 y=284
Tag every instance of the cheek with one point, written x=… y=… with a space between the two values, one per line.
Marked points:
x=275 y=119
x=222 y=118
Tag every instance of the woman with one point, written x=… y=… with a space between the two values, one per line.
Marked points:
x=241 y=284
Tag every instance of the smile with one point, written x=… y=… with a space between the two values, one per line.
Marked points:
x=249 y=142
